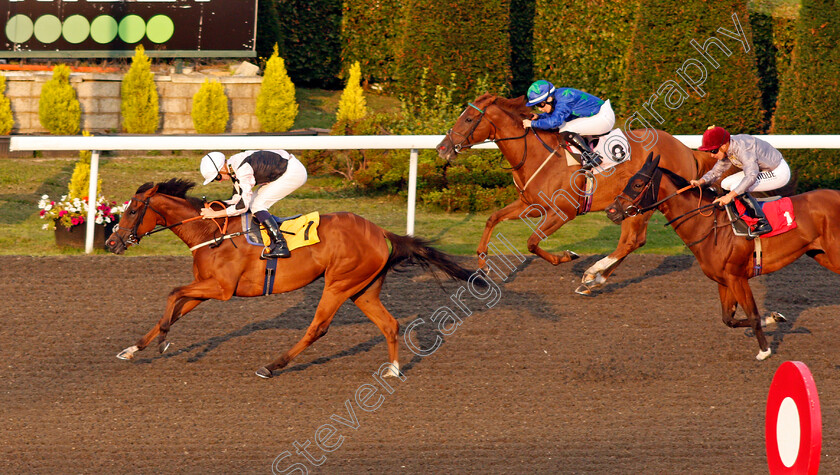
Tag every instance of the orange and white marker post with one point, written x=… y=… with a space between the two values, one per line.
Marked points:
x=793 y=425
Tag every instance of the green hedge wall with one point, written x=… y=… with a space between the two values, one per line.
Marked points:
x=368 y=33
x=583 y=44
x=661 y=46
x=268 y=28
x=521 y=44
x=467 y=38
x=310 y=34
x=808 y=96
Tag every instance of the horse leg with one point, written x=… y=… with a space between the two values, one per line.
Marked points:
x=329 y=304
x=633 y=236
x=728 y=306
x=740 y=286
x=200 y=291
x=369 y=303
x=552 y=223
x=510 y=211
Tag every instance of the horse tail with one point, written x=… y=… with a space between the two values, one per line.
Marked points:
x=409 y=250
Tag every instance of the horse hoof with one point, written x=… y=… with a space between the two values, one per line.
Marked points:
x=127 y=353
x=583 y=290
x=778 y=317
x=572 y=255
x=164 y=345
x=763 y=355
x=264 y=373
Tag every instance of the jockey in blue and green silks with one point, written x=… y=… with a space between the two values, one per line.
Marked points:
x=572 y=111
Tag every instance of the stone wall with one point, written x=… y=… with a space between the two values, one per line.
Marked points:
x=99 y=96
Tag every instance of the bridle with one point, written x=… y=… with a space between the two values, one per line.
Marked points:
x=132 y=237
x=467 y=138
x=633 y=208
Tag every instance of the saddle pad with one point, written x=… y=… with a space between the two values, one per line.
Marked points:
x=779 y=214
x=305 y=229
x=613 y=148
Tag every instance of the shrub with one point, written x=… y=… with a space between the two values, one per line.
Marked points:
x=808 y=102
x=58 y=107
x=276 y=106
x=210 y=108
x=7 y=122
x=352 y=106
x=268 y=28
x=139 y=98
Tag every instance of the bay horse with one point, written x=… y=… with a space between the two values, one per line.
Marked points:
x=353 y=257
x=551 y=189
x=724 y=257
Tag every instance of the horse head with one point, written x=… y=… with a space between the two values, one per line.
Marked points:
x=482 y=121
x=136 y=221
x=640 y=193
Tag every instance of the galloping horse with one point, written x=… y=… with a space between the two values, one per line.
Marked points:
x=353 y=258
x=550 y=188
x=724 y=257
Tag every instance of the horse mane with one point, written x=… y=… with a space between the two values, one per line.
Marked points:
x=176 y=187
x=515 y=107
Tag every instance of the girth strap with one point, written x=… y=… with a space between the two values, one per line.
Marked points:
x=270 y=274
x=757 y=257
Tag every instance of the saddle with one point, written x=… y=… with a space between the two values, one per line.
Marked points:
x=299 y=230
x=779 y=212
x=612 y=149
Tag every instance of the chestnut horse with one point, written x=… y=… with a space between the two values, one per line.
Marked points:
x=724 y=257
x=353 y=258
x=541 y=176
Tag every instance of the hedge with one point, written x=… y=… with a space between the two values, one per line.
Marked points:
x=583 y=44
x=661 y=46
x=808 y=99
x=310 y=41
x=468 y=39
x=368 y=35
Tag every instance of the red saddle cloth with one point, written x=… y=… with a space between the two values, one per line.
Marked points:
x=779 y=214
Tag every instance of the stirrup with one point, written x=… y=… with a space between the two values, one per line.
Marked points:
x=277 y=251
x=589 y=160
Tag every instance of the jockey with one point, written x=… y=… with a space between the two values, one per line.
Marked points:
x=763 y=169
x=279 y=173
x=574 y=112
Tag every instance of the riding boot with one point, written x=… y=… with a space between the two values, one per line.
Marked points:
x=588 y=158
x=278 y=247
x=754 y=210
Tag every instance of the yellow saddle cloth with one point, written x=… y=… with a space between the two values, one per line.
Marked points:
x=304 y=229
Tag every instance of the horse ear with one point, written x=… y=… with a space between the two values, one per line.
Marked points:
x=656 y=161
x=151 y=191
x=649 y=158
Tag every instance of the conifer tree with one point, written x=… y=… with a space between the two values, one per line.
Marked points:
x=276 y=106
x=7 y=122
x=58 y=108
x=139 y=105
x=351 y=106
x=210 y=108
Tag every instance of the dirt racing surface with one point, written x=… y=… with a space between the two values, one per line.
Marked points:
x=643 y=378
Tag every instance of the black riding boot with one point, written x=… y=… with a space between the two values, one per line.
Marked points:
x=278 y=247
x=588 y=158
x=754 y=211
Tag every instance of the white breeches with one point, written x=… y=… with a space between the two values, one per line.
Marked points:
x=278 y=189
x=598 y=124
x=766 y=181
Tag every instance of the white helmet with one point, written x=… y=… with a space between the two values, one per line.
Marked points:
x=211 y=165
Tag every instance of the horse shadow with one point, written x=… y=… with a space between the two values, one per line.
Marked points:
x=401 y=302
x=820 y=282
x=669 y=264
